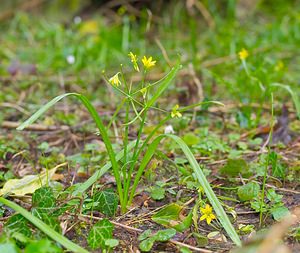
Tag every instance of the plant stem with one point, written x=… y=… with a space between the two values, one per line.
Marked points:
x=262 y=200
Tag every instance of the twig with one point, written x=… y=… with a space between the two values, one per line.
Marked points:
x=33 y=127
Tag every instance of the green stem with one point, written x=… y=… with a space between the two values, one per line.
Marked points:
x=262 y=200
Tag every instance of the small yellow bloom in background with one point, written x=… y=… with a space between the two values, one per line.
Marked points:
x=279 y=66
x=148 y=63
x=207 y=214
x=89 y=27
x=175 y=113
x=115 y=80
x=134 y=59
x=144 y=92
x=243 y=54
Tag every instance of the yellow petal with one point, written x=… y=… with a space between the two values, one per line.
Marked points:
x=208 y=220
x=203 y=217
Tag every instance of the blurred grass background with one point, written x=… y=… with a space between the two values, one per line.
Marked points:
x=49 y=47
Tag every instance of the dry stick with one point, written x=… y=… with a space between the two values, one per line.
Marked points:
x=163 y=51
x=14 y=106
x=181 y=244
x=33 y=127
x=205 y=13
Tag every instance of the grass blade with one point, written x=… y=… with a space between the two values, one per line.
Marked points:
x=44 y=227
x=294 y=95
x=222 y=216
x=98 y=122
x=163 y=85
x=89 y=182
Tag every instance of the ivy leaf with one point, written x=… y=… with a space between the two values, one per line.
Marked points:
x=165 y=235
x=43 y=199
x=106 y=202
x=17 y=224
x=147 y=244
x=248 y=191
x=99 y=233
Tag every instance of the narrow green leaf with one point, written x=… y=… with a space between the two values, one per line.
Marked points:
x=222 y=216
x=98 y=122
x=293 y=94
x=163 y=84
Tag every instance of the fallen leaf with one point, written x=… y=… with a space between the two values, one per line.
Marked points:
x=28 y=184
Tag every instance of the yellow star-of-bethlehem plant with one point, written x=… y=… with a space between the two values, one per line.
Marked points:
x=243 y=54
x=134 y=60
x=175 y=113
x=207 y=214
x=115 y=80
x=147 y=62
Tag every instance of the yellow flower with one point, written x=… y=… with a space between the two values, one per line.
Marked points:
x=243 y=54
x=207 y=214
x=279 y=66
x=115 y=80
x=89 y=27
x=175 y=112
x=148 y=63
x=134 y=59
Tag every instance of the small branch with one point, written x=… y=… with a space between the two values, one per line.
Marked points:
x=33 y=127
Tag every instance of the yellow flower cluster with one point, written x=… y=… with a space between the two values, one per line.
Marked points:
x=115 y=80
x=175 y=113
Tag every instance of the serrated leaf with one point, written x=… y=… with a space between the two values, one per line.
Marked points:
x=43 y=199
x=18 y=224
x=248 y=191
x=147 y=244
x=29 y=183
x=165 y=235
x=107 y=202
x=99 y=233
